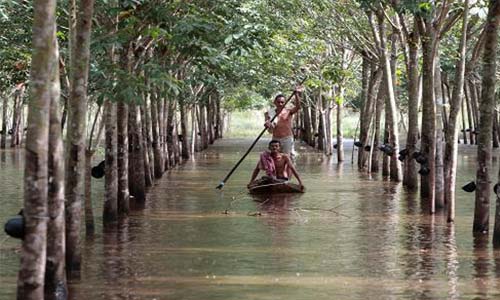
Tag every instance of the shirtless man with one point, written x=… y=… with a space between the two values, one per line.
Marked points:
x=276 y=165
x=281 y=128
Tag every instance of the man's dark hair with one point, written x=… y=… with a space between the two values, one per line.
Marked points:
x=274 y=142
x=279 y=96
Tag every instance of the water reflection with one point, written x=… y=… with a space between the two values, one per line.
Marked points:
x=350 y=236
x=481 y=264
x=451 y=261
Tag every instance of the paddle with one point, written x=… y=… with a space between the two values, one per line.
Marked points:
x=221 y=184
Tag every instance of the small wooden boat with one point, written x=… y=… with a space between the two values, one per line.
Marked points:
x=262 y=187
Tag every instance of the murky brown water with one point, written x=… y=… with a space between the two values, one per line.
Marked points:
x=348 y=237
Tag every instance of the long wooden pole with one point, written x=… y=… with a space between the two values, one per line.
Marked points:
x=223 y=182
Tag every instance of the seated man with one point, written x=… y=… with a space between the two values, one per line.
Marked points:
x=276 y=165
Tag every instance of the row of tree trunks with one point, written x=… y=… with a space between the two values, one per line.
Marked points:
x=148 y=143
x=367 y=115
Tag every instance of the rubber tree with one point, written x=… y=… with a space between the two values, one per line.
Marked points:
x=451 y=136
x=31 y=275
x=380 y=39
x=110 y=209
x=55 y=273
x=75 y=135
x=486 y=108
x=430 y=23
x=411 y=47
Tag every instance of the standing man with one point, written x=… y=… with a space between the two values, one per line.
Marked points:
x=282 y=126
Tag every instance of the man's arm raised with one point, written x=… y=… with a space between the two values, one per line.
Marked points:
x=297 y=92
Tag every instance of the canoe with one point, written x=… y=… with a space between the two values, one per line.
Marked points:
x=274 y=188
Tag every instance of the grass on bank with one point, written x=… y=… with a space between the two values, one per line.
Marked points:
x=248 y=124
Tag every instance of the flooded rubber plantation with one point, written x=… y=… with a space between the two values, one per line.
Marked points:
x=350 y=236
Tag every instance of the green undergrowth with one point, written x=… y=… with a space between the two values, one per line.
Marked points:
x=242 y=124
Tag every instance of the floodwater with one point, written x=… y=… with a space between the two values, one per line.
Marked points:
x=348 y=237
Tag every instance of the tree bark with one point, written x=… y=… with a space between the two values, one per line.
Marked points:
x=169 y=134
x=3 y=142
x=451 y=136
x=184 y=132
x=439 y=179
x=123 y=201
x=396 y=174
x=375 y=165
x=472 y=125
x=486 y=107
x=137 y=183
x=156 y=135
x=366 y=115
x=110 y=208
x=17 y=117
x=55 y=273
x=75 y=135
x=146 y=144
x=428 y=140
x=219 y=124
x=410 y=178
x=31 y=275
x=164 y=113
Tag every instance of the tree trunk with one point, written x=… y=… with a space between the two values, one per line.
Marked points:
x=163 y=127
x=55 y=273
x=17 y=117
x=366 y=115
x=451 y=148
x=184 y=132
x=486 y=107
x=30 y=285
x=439 y=179
x=111 y=157
x=308 y=136
x=396 y=174
x=136 y=173
x=464 y=126
x=410 y=179
x=123 y=199
x=321 y=122
x=75 y=135
x=156 y=135
x=376 y=123
x=218 y=117
x=170 y=133
x=146 y=144
x=89 y=213
x=194 y=140
x=176 y=143
x=203 y=126
x=495 y=129
x=340 y=134
x=428 y=141
x=470 y=119
x=3 y=142
x=210 y=125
